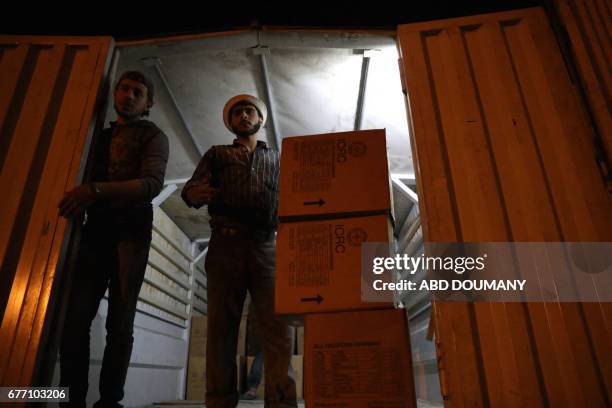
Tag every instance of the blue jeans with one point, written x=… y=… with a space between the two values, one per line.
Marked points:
x=254 y=377
x=235 y=264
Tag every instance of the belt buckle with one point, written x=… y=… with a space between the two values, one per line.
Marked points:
x=228 y=231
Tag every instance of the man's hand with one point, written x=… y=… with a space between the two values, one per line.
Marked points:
x=202 y=194
x=76 y=201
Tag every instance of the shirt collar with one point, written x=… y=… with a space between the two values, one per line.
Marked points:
x=260 y=144
x=138 y=123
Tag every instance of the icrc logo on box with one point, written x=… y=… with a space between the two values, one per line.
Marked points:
x=355 y=149
x=354 y=237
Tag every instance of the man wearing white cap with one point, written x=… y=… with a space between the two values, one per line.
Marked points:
x=239 y=184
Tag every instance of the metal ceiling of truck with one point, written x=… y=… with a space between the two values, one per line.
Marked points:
x=312 y=78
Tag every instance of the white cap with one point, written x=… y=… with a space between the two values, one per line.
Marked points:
x=259 y=105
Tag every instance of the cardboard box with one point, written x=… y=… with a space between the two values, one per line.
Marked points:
x=358 y=360
x=196 y=378
x=297 y=364
x=196 y=366
x=197 y=335
x=318 y=264
x=334 y=173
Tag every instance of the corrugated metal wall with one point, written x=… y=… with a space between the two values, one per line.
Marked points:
x=503 y=152
x=172 y=287
x=48 y=92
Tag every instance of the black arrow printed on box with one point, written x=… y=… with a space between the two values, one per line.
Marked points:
x=317 y=299
x=319 y=203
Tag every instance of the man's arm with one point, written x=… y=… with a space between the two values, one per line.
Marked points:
x=153 y=168
x=197 y=191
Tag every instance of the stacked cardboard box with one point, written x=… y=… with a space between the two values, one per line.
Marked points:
x=196 y=366
x=335 y=194
x=359 y=360
x=320 y=263
x=335 y=173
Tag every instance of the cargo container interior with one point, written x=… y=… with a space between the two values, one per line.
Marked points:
x=508 y=130
x=314 y=82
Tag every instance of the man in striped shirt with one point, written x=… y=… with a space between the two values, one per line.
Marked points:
x=239 y=184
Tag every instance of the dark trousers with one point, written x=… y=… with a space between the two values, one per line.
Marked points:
x=235 y=264
x=113 y=257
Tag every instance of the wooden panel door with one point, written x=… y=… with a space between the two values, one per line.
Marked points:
x=48 y=92
x=503 y=152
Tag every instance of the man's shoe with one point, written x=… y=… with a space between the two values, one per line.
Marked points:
x=106 y=404
x=251 y=394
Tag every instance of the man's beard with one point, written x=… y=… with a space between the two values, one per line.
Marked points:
x=123 y=115
x=246 y=133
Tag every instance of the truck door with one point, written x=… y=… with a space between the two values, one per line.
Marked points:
x=503 y=151
x=48 y=95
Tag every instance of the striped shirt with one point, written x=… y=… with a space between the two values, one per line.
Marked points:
x=248 y=184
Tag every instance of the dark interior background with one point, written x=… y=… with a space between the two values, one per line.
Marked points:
x=135 y=20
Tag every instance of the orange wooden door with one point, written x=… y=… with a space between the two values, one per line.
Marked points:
x=48 y=92
x=503 y=152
